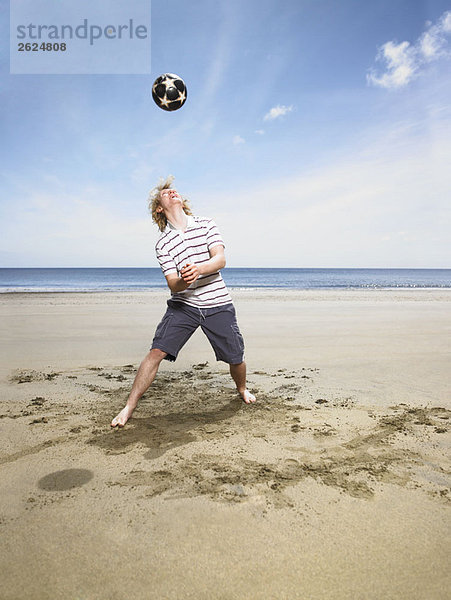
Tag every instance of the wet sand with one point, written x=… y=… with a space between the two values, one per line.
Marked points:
x=336 y=484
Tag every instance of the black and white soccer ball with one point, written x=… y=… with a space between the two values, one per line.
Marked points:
x=169 y=91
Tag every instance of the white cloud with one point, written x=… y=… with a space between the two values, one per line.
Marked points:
x=260 y=131
x=404 y=61
x=220 y=55
x=276 y=112
x=237 y=140
x=61 y=228
x=446 y=22
x=401 y=65
x=385 y=204
x=143 y=172
x=433 y=42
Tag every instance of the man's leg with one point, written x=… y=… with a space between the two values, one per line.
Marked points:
x=221 y=328
x=238 y=373
x=144 y=377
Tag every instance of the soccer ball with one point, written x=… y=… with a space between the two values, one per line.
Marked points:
x=169 y=91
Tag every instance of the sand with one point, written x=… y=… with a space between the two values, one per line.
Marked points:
x=336 y=484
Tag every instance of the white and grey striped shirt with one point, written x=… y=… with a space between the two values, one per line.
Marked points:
x=176 y=248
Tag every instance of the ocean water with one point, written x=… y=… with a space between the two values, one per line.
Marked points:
x=129 y=279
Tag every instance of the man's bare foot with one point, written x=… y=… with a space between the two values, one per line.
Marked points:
x=248 y=398
x=122 y=418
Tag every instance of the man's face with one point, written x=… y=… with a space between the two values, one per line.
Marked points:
x=168 y=199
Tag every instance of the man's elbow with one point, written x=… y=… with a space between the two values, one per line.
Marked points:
x=172 y=283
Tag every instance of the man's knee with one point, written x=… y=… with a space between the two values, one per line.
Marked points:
x=237 y=364
x=155 y=355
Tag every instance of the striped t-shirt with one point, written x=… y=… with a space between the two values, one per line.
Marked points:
x=176 y=248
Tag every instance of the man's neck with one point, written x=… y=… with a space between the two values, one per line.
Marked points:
x=177 y=218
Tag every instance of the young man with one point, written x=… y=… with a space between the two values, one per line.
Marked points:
x=190 y=251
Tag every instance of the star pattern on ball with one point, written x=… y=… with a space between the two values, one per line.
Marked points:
x=164 y=102
x=169 y=91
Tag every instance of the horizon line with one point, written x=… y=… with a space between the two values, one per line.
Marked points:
x=234 y=267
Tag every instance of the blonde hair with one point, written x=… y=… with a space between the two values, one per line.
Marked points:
x=159 y=217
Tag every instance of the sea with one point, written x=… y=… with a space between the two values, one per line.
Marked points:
x=136 y=279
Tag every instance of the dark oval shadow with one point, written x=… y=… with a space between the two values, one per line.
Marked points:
x=65 y=480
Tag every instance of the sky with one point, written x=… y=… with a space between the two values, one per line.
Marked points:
x=316 y=133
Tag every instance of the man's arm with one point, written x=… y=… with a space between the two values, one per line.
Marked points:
x=191 y=272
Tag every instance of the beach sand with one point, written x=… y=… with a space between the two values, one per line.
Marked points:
x=335 y=484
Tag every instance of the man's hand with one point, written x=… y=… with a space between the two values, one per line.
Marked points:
x=190 y=273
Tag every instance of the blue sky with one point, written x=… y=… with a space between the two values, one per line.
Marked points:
x=316 y=133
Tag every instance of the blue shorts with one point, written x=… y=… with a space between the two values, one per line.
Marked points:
x=218 y=323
